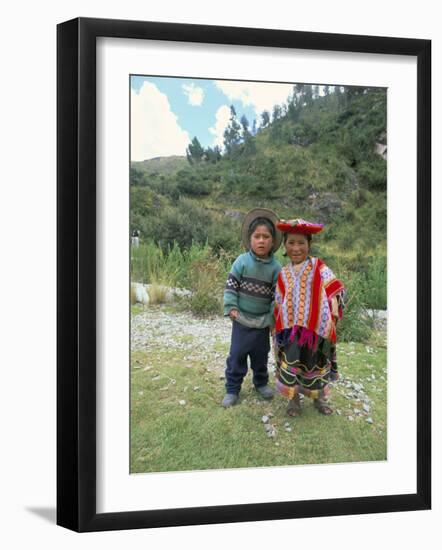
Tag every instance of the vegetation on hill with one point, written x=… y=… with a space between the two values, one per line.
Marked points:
x=314 y=157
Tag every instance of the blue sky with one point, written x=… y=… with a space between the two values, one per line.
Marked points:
x=166 y=113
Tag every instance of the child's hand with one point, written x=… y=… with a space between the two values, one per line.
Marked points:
x=233 y=314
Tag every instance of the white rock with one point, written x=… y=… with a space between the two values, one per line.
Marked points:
x=141 y=295
x=369 y=420
x=182 y=402
x=350 y=418
x=265 y=419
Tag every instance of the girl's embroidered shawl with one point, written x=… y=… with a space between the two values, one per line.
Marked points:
x=303 y=301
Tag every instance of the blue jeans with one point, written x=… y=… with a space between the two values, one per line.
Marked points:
x=247 y=342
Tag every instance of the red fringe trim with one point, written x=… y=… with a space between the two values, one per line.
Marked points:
x=308 y=337
x=293 y=333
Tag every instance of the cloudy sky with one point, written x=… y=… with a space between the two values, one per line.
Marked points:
x=167 y=113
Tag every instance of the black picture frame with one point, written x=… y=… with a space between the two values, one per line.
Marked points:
x=76 y=273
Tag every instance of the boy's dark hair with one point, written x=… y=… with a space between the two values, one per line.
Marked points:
x=261 y=221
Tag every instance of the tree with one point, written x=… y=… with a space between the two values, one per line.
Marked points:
x=354 y=91
x=265 y=119
x=136 y=177
x=277 y=112
x=254 y=129
x=292 y=106
x=217 y=152
x=339 y=92
x=299 y=94
x=249 y=146
x=194 y=151
x=308 y=94
x=212 y=155
x=245 y=127
x=232 y=134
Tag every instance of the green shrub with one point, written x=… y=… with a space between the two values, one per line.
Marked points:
x=374 y=284
x=203 y=303
x=355 y=326
x=157 y=293
x=206 y=283
x=189 y=184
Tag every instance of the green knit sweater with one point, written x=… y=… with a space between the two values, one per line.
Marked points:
x=250 y=289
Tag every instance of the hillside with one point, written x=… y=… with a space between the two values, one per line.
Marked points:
x=166 y=166
x=321 y=158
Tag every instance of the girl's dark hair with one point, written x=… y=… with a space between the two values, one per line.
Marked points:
x=261 y=221
x=307 y=236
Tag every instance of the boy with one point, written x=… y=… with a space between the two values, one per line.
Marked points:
x=248 y=298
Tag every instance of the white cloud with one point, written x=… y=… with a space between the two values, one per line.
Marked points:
x=155 y=131
x=194 y=94
x=261 y=96
x=222 y=120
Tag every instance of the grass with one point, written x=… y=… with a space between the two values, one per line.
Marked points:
x=204 y=273
x=157 y=293
x=200 y=434
x=135 y=309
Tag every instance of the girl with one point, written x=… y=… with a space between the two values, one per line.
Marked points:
x=308 y=304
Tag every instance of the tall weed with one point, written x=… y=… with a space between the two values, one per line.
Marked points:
x=356 y=325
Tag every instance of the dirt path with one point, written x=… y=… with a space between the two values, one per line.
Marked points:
x=195 y=337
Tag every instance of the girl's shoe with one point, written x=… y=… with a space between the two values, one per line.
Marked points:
x=322 y=407
x=294 y=406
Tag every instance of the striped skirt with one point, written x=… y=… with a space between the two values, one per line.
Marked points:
x=302 y=368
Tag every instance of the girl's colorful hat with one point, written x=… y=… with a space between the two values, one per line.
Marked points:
x=299 y=226
x=260 y=213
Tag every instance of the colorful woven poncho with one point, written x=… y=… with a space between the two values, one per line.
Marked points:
x=303 y=301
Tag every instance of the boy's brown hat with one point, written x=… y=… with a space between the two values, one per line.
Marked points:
x=251 y=216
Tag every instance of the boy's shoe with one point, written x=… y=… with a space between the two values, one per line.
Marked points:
x=229 y=400
x=265 y=391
